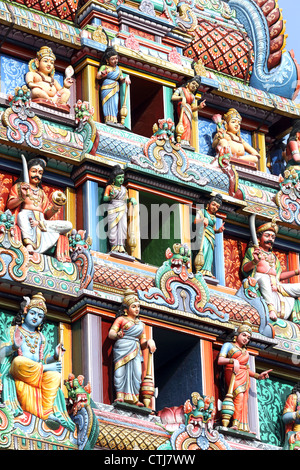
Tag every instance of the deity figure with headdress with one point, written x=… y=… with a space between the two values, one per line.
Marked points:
x=229 y=136
x=31 y=375
x=40 y=79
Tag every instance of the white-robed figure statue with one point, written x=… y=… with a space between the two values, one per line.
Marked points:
x=33 y=212
x=128 y=333
x=117 y=197
x=262 y=264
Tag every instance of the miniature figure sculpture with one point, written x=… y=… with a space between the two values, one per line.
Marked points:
x=116 y=196
x=31 y=376
x=128 y=331
x=291 y=419
x=230 y=136
x=184 y=98
x=261 y=263
x=40 y=79
x=207 y=242
x=293 y=147
x=33 y=211
x=235 y=357
x=111 y=75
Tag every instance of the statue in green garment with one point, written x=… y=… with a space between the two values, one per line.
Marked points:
x=207 y=219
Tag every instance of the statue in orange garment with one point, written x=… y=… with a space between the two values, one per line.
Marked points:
x=235 y=357
x=40 y=79
x=186 y=102
x=31 y=373
x=33 y=212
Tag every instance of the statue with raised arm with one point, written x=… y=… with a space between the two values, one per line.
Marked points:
x=186 y=104
x=207 y=242
x=31 y=375
x=229 y=136
x=40 y=79
x=263 y=265
x=128 y=332
x=235 y=359
x=33 y=212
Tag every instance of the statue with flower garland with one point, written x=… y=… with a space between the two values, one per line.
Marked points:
x=31 y=373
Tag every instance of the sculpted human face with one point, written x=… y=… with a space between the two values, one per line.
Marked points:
x=193 y=86
x=234 y=125
x=119 y=180
x=243 y=339
x=213 y=207
x=46 y=65
x=34 y=318
x=267 y=240
x=113 y=61
x=134 y=309
x=35 y=175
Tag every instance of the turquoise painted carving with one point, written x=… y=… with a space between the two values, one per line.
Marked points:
x=179 y=289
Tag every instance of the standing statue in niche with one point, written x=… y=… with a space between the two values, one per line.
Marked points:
x=291 y=419
x=33 y=211
x=293 y=148
x=31 y=375
x=204 y=259
x=130 y=340
x=262 y=264
x=229 y=136
x=111 y=76
x=184 y=98
x=117 y=198
x=235 y=357
x=40 y=79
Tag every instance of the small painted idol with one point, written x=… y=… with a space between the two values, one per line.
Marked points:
x=262 y=264
x=235 y=359
x=184 y=98
x=293 y=147
x=33 y=213
x=230 y=136
x=117 y=198
x=31 y=376
x=40 y=79
x=208 y=216
x=111 y=77
x=128 y=332
x=291 y=419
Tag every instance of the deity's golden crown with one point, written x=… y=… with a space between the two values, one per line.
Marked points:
x=246 y=327
x=232 y=114
x=38 y=301
x=45 y=51
x=130 y=297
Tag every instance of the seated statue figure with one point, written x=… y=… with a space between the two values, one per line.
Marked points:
x=262 y=264
x=33 y=211
x=31 y=376
x=40 y=79
x=229 y=136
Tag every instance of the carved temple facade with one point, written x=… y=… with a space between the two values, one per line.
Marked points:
x=239 y=48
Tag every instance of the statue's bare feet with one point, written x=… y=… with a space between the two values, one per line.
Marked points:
x=30 y=249
x=273 y=315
